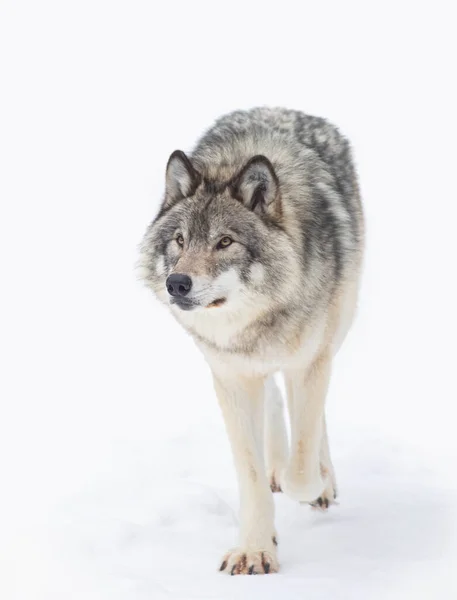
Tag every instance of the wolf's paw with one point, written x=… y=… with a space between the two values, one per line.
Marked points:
x=250 y=562
x=299 y=487
x=323 y=502
x=327 y=497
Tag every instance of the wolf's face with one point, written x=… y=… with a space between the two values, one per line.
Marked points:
x=209 y=252
x=216 y=245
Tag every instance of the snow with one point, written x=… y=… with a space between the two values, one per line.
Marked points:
x=157 y=528
x=116 y=475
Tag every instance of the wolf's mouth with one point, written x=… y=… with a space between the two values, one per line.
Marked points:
x=188 y=304
x=218 y=302
x=183 y=303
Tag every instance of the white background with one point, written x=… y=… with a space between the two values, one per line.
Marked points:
x=116 y=476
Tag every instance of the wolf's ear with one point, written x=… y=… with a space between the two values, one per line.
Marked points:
x=257 y=186
x=181 y=178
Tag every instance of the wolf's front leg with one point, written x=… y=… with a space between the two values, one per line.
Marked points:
x=242 y=401
x=303 y=479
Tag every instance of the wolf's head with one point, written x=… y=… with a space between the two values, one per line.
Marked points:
x=218 y=245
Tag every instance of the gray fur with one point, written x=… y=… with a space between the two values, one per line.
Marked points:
x=307 y=212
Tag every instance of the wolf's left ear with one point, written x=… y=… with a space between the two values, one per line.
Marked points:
x=257 y=186
x=181 y=178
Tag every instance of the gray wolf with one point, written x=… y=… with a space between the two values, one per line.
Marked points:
x=257 y=251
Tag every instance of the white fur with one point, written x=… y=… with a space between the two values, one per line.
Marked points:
x=257 y=274
x=242 y=406
x=257 y=433
x=275 y=442
x=302 y=478
x=220 y=324
x=160 y=266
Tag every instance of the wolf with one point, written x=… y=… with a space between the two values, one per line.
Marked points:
x=257 y=251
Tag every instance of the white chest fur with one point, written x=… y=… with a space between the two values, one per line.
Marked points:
x=268 y=358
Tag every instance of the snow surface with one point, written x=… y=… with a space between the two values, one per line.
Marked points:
x=116 y=475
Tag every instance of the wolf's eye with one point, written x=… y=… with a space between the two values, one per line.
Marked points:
x=180 y=240
x=224 y=242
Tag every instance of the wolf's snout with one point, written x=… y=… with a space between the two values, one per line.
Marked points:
x=178 y=284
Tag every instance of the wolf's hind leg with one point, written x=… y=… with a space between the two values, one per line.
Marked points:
x=328 y=496
x=276 y=445
x=303 y=479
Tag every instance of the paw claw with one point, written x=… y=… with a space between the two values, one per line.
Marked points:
x=322 y=503
x=274 y=485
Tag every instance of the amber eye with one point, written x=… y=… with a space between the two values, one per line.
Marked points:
x=180 y=240
x=224 y=242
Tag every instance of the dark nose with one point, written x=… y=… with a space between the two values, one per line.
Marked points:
x=178 y=284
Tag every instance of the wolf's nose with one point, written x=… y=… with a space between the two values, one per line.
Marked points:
x=178 y=284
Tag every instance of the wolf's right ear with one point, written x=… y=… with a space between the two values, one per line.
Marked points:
x=181 y=179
